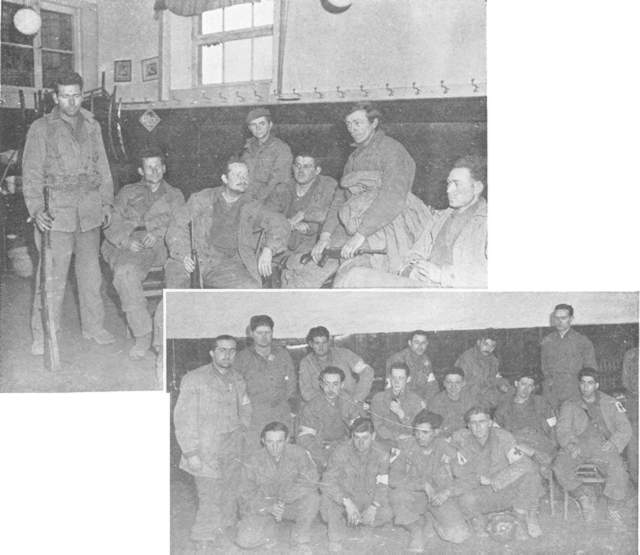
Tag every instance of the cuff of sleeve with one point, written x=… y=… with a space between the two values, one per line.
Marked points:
x=188 y=454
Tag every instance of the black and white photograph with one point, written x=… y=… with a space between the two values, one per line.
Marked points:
x=403 y=421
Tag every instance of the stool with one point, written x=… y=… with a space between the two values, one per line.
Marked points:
x=588 y=473
x=152 y=287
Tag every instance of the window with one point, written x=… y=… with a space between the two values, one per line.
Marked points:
x=34 y=61
x=235 y=44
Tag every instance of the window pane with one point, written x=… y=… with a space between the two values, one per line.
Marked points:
x=262 y=58
x=9 y=31
x=54 y=63
x=237 y=17
x=263 y=13
x=211 y=21
x=211 y=63
x=17 y=66
x=57 y=31
x=237 y=60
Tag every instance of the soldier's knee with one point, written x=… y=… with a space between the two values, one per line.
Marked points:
x=254 y=531
x=310 y=503
x=467 y=502
x=124 y=274
x=455 y=534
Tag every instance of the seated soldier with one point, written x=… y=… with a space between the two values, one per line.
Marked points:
x=417 y=476
x=530 y=418
x=279 y=482
x=325 y=420
x=135 y=241
x=451 y=251
x=492 y=474
x=422 y=380
x=453 y=402
x=355 y=484
x=234 y=235
x=393 y=409
x=482 y=371
x=323 y=355
x=593 y=429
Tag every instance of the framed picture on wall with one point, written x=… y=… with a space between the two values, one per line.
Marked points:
x=150 y=70
x=122 y=71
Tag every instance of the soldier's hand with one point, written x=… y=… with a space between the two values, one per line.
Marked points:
x=485 y=481
x=318 y=248
x=189 y=264
x=369 y=515
x=149 y=240
x=194 y=462
x=440 y=497
x=352 y=245
x=353 y=515
x=296 y=218
x=264 y=262
x=396 y=409
x=135 y=246
x=43 y=220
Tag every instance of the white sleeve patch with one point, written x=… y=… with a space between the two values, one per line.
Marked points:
x=245 y=400
x=461 y=458
x=382 y=479
x=431 y=377
x=359 y=366
x=395 y=453
x=305 y=431
x=620 y=407
x=514 y=454
x=552 y=421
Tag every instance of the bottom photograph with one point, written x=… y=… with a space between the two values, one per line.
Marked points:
x=402 y=421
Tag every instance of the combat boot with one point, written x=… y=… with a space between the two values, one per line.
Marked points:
x=141 y=346
x=416 y=543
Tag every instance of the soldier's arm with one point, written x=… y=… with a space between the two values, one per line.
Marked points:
x=379 y=415
x=623 y=432
x=308 y=386
x=332 y=477
x=381 y=492
x=331 y=222
x=102 y=166
x=519 y=464
x=123 y=221
x=317 y=211
x=185 y=418
x=252 y=498
x=276 y=228
x=33 y=158
x=305 y=481
x=244 y=404
x=161 y=222
x=177 y=237
x=291 y=376
x=365 y=376
x=281 y=169
x=589 y=355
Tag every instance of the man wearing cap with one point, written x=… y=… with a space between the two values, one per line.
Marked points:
x=418 y=474
x=322 y=355
x=270 y=376
x=564 y=353
x=268 y=160
x=422 y=380
x=279 y=482
x=454 y=401
x=210 y=416
x=135 y=241
x=64 y=152
x=593 y=429
x=235 y=237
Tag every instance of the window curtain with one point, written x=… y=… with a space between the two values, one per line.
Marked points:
x=195 y=7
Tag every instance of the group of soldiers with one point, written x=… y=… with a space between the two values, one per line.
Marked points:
x=272 y=213
x=430 y=461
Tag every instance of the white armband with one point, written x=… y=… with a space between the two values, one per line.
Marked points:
x=382 y=479
x=552 y=421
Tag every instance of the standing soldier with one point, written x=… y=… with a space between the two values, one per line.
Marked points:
x=564 y=353
x=270 y=376
x=135 y=241
x=64 y=151
x=210 y=417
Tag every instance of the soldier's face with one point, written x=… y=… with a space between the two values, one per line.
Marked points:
x=453 y=384
x=262 y=336
x=398 y=380
x=359 y=126
x=224 y=353
x=525 y=387
x=274 y=442
x=424 y=434
x=305 y=170
x=588 y=387
x=68 y=98
x=331 y=385
x=237 y=178
x=320 y=346
x=362 y=441
x=152 y=170
x=418 y=345
x=479 y=425
x=461 y=188
x=486 y=346
x=562 y=319
x=260 y=127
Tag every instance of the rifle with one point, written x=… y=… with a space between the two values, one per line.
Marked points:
x=334 y=252
x=196 y=277
x=51 y=353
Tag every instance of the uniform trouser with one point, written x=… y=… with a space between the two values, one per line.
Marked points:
x=334 y=514
x=300 y=276
x=256 y=529
x=85 y=245
x=536 y=440
x=609 y=463
x=448 y=520
x=557 y=389
x=222 y=271
x=129 y=271
x=521 y=495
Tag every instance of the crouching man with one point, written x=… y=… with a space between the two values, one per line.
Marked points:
x=355 y=484
x=279 y=482
x=418 y=477
x=593 y=429
x=492 y=474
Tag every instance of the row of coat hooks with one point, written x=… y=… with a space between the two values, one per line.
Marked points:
x=196 y=97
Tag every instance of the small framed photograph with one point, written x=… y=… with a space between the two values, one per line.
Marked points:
x=122 y=71
x=150 y=69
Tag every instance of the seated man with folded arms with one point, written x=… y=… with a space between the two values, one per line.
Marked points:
x=492 y=474
x=454 y=401
x=325 y=420
x=421 y=380
x=355 y=487
x=323 y=355
x=135 y=241
x=234 y=235
x=279 y=482
x=530 y=418
x=393 y=409
x=417 y=476
x=593 y=429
